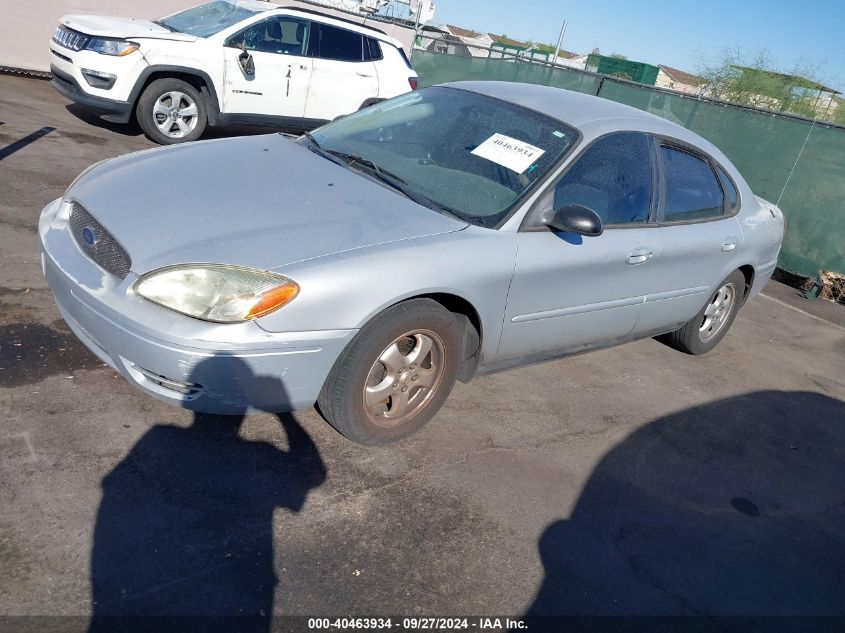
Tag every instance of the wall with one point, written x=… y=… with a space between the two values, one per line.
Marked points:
x=27 y=25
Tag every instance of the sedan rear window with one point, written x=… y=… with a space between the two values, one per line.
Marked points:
x=471 y=155
x=730 y=189
x=692 y=191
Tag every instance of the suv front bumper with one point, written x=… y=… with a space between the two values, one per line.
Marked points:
x=109 y=109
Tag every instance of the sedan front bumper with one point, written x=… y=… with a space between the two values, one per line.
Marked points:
x=214 y=368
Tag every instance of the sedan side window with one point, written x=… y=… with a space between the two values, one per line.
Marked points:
x=613 y=178
x=339 y=44
x=286 y=36
x=730 y=189
x=692 y=190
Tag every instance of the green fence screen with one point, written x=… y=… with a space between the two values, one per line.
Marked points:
x=798 y=164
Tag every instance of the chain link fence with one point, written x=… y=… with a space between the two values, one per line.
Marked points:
x=797 y=163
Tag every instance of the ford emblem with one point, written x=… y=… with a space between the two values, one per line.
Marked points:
x=89 y=236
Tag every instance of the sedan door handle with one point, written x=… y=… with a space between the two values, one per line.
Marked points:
x=639 y=256
x=729 y=245
x=363 y=74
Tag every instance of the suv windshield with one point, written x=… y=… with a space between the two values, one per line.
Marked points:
x=471 y=155
x=209 y=18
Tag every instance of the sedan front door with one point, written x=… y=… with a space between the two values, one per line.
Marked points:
x=571 y=292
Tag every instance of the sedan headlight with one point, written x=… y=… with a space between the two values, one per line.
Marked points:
x=216 y=292
x=108 y=46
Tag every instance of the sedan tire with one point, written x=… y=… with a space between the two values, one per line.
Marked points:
x=171 y=111
x=395 y=374
x=704 y=331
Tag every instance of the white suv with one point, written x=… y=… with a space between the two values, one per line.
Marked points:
x=223 y=62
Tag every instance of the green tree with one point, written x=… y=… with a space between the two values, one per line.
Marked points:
x=755 y=81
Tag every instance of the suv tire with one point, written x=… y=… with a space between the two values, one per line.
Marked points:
x=171 y=111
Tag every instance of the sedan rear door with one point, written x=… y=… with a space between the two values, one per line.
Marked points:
x=700 y=236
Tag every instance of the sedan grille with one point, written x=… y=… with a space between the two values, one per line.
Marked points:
x=96 y=242
x=68 y=38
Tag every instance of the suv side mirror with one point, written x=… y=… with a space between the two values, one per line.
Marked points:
x=575 y=218
x=245 y=61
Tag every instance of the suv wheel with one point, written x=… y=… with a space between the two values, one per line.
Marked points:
x=171 y=111
x=395 y=374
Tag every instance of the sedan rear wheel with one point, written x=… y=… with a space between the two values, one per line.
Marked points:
x=395 y=374
x=704 y=331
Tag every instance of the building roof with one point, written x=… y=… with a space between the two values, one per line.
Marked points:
x=546 y=48
x=682 y=77
x=506 y=41
x=569 y=54
x=456 y=30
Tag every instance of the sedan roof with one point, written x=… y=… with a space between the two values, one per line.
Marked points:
x=590 y=114
x=575 y=108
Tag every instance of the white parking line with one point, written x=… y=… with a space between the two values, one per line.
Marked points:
x=805 y=313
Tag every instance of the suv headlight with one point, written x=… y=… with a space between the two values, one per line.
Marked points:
x=108 y=46
x=217 y=292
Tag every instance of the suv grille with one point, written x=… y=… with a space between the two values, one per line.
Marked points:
x=96 y=242
x=74 y=40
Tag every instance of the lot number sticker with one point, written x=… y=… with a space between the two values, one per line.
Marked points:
x=509 y=152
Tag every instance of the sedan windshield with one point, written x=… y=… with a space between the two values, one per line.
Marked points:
x=210 y=18
x=466 y=154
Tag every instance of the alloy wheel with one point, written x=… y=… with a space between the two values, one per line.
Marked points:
x=718 y=312
x=175 y=114
x=404 y=378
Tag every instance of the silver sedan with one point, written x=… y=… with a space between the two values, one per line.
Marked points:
x=447 y=233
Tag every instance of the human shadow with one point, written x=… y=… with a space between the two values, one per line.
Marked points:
x=184 y=533
x=734 y=510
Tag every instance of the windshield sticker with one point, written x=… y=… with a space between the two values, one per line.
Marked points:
x=509 y=152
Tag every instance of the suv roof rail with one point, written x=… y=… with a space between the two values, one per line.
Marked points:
x=334 y=17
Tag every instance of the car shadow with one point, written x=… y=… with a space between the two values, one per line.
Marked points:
x=735 y=508
x=133 y=129
x=183 y=539
x=92 y=118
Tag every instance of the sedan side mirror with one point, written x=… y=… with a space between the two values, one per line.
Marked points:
x=245 y=61
x=575 y=218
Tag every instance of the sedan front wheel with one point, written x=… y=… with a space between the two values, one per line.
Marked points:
x=395 y=374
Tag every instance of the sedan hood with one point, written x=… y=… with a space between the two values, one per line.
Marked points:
x=262 y=201
x=110 y=26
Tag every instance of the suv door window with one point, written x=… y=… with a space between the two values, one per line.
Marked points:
x=339 y=44
x=372 y=49
x=283 y=35
x=692 y=190
x=613 y=177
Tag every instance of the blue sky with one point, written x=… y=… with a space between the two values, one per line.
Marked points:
x=678 y=33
